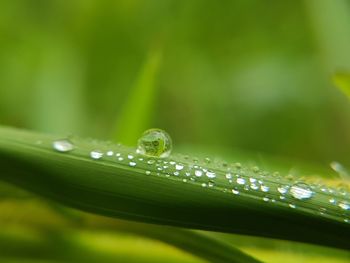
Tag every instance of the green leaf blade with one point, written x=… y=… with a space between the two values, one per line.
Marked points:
x=115 y=189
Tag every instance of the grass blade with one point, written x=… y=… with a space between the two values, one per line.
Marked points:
x=136 y=113
x=114 y=188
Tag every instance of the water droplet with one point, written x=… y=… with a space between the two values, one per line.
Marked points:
x=266 y=199
x=117 y=154
x=238 y=165
x=252 y=180
x=211 y=183
x=63 y=145
x=301 y=191
x=228 y=176
x=292 y=206
x=264 y=188
x=96 y=154
x=344 y=205
x=255 y=169
x=282 y=189
x=148 y=172
x=120 y=158
x=332 y=201
x=207 y=160
x=240 y=181
x=198 y=173
x=210 y=174
x=235 y=191
x=204 y=185
x=130 y=157
x=254 y=187
x=132 y=164
x=109 y=153
x=151 y=162
x=176 y=173
x=155 y=142
x=179 y=167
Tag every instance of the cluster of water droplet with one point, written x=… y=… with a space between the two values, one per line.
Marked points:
x=230 y=178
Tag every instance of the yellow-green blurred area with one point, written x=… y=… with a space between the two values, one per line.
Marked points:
x=253 y=76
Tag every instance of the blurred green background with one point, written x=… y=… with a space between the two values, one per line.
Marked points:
x=244 y=75
x=252 y=75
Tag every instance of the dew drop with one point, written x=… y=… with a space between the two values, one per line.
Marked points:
x=292 y=206
x=120 y=158
x=155 y=142
x=198 y=173
x=254 y=187
x=148 y=172
x=255 y=169
x=301 y=191
x=240 y=181
x=96 y=154
x=266 y=199
x=228 y=176
x=130 y=157
x=151 y=162
x=282 y=189
x=132 y=164
x=235 y=191
x=264 y=188
x=344 y=205
x=63 y=145
x=332 y=201
x=210 y=174
x=252 y=180
x=204 y=185
x=109 y=153
x=207 y=160
x=179 y=167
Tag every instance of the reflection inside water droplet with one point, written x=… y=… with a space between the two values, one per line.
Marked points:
x=155 y=142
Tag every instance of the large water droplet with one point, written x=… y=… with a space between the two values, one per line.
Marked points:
x=301 y=191
x=63 y=145
x=155 y=142
x=96 y=154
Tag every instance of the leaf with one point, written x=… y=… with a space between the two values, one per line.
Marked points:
x=33 y=216
x=116 y=189
x=136 y=113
